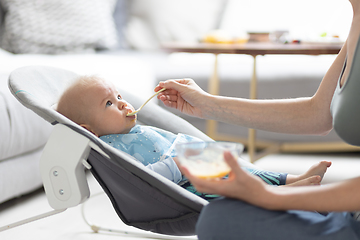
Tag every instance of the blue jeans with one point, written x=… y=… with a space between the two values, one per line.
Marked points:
x=233 y=219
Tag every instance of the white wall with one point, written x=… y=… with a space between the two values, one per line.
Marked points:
x=301 y=18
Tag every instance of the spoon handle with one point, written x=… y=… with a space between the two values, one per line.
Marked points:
x=135 y=112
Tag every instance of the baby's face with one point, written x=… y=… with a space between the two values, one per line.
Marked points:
x=108 y=110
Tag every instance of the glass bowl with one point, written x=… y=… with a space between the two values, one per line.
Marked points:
x=206 y=159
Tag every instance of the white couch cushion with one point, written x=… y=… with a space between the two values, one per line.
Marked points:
x=21 y=130
x=20 y=175
x=54 y=26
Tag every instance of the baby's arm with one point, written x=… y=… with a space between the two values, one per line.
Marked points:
x=167 y=168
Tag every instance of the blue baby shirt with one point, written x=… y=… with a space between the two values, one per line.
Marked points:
x=151 y=146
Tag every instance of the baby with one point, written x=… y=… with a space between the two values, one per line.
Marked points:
x=96 y=105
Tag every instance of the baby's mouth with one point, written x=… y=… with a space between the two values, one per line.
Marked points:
x=131 y=115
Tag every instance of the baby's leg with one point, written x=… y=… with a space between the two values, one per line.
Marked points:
x=313 y=180
x=318 y=169
x=272 y=178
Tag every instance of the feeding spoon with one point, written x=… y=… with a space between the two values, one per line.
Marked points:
x=135 y=112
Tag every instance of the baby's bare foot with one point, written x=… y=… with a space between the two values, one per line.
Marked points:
x=313 y=180
x=318 y=169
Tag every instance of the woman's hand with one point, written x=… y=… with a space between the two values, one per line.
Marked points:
x=184 y=95
x=239 y=185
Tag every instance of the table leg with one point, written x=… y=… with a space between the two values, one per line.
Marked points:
x=213 y=88
x=211 y=125
x=252 y=132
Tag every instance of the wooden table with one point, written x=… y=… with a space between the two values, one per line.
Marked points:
x=255 y=49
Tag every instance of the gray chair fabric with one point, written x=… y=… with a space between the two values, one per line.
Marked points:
x=140 y=197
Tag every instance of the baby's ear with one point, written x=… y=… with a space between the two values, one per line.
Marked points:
x=87 y=127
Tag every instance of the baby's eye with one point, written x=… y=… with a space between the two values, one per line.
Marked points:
x=119 y=97
x=108 y=103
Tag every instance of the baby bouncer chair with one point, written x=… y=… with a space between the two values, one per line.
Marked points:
x=140 y=197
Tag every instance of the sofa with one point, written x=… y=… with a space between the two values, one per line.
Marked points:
x=126 y=48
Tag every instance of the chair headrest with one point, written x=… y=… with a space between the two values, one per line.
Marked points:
x=39 y=88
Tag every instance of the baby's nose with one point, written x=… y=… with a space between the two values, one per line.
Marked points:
x=122 y=104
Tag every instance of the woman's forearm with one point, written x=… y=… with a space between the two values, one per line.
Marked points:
x=342 y=196
x=295 y=116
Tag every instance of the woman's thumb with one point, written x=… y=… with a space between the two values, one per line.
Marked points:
x=232 y=162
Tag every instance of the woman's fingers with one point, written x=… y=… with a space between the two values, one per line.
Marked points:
x=168 y=96
x=201 y=185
